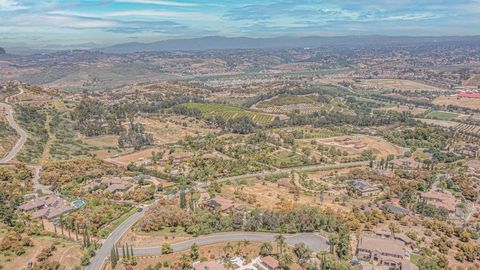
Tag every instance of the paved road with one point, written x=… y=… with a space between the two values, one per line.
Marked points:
x=314 y=241
x=104 y=252
x=11 y=121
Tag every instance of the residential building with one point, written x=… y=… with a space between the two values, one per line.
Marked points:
x=383 y=251
x=395 y=209
x=49 y=207
x=270 y=263
x=220 y=203
x=363 y=188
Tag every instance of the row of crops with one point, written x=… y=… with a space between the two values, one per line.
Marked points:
x=228 y=112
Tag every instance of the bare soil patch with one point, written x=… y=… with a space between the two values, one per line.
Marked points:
x=470 y=103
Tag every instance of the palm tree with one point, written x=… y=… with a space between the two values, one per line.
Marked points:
x=266 y=249
x=228 y=248
x=285 y=260
x=333 y=241
x=280 y=240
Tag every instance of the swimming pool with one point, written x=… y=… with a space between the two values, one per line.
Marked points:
x=78 y=203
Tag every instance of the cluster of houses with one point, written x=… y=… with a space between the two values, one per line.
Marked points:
x=48 y=207
x=238 y=263
x=385 y=250
x=112 y=184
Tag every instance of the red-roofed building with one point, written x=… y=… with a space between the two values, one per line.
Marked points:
x=270 y=263
x=468 y=95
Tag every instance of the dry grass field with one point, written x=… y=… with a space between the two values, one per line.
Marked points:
x=102 y=141
x=271 y=196
x=68 y=254
x=405 y=85
x=356 y=144
x=138 y=238
x=173 y=129
x=470 y=103
x=139 y=157
x=403 y=108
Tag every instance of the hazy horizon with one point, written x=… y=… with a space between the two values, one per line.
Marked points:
x=41 y=24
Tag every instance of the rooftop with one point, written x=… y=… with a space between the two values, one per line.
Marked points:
x=271 y=262
x=382 y=245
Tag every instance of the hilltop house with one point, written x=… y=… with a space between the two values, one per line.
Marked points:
x=364 y=189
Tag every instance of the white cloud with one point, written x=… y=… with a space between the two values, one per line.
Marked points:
x=58 y=20
x=158 y=2
x=10 y=5
x=163 y=14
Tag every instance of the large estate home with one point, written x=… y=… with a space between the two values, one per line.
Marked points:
x=389 y=252
x=49 y=207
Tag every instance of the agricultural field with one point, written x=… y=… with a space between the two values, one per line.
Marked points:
x=334 y=105
x=230 y=112
x=469 y=103
x=439 y=115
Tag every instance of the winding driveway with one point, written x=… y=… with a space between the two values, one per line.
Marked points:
x=314 y=241
x=11 y=121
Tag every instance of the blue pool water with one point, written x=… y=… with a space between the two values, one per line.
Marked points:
x=78 y=203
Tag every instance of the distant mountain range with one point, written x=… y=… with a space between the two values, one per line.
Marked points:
x=225 y=43
x=219 y=43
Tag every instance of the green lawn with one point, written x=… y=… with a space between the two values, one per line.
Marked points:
x=287 y=159
x=442 y=115
x=229 y=112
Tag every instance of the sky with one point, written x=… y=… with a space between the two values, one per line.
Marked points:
x=56 y=23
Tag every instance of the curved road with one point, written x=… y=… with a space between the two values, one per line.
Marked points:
x=11 y=121
x=104 y=252
x=314 y=241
